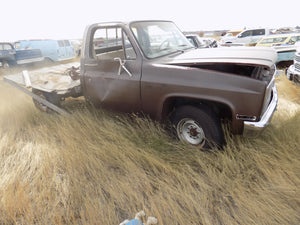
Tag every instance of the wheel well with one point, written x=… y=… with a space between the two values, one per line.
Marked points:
x=222 y=111
x=4 y=61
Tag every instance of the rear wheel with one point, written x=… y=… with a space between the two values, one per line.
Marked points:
x=5 y=65
x=198 y=127
x=47 y=62
x=50 y=97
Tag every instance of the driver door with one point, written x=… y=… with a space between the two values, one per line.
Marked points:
x=113 y=72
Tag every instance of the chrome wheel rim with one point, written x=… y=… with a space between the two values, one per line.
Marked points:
x=189 y=131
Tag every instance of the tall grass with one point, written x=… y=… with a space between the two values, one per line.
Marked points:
x=97 y=167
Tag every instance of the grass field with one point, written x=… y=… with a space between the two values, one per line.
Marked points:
x=97 y=167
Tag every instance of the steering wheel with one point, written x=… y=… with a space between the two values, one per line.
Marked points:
x=165 y=44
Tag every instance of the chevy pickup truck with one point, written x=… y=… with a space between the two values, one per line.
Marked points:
x=151 y=67
x=9 y=56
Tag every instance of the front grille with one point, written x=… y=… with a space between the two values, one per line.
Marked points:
x=297 y=61
x=297 y=57
x=297 y=66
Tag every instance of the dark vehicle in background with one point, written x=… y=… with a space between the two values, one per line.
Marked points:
x=9 y=56
x=200 y=42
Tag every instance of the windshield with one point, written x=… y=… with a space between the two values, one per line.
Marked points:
x=158 y=38
x=273 y=40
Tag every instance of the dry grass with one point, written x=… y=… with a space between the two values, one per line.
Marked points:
x=101 y=168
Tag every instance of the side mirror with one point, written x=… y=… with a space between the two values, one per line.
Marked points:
x=122 y=65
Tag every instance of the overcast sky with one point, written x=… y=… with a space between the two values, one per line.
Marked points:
x=35 y=19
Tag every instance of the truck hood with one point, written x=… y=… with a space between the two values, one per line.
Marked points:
x=231 y=55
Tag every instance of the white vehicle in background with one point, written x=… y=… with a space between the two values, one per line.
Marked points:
x=247 y=37
x=293 y=72
x=200 y=42
x=229 y=36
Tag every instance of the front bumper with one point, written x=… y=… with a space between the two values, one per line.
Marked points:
x=253 y=129
x=291 y=72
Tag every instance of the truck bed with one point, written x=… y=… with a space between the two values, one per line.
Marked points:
x=50 y=79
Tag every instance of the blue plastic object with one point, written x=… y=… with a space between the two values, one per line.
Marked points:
x=134 y=222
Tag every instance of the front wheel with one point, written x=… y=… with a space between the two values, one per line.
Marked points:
x=198 y=127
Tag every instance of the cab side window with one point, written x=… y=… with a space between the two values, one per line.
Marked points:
x=67 y=43
x=110 y=43
x=258 y=32
x=246 y=33
x=107 y=43
x=6 y=47
x=60 y=43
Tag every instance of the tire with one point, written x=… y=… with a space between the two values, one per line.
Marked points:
x=50 y=97
x=47 y=62
x=5 y=65
x=199 y=127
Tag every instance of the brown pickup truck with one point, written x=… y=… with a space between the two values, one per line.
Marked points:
x=151 y=67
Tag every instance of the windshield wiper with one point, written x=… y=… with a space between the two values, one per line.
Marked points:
x=185 y=46
x=181 y=50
